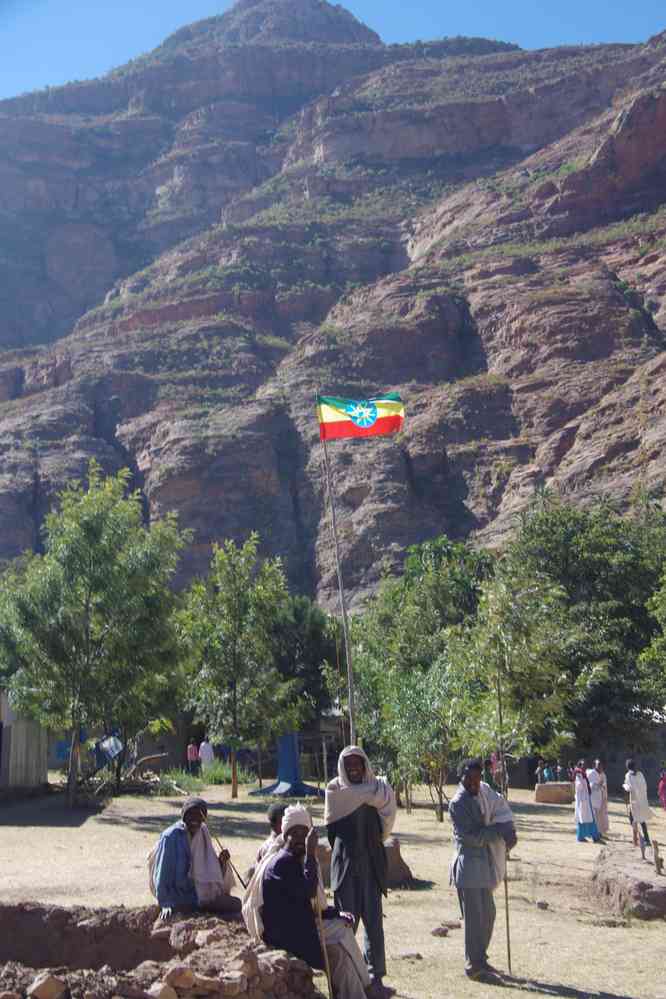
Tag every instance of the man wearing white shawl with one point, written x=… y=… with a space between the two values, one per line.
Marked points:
x=483 y=831
x=184 y=871
x=277 y=907
x=360 y=812
x=640 y=812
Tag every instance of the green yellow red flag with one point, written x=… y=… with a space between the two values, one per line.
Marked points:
x=359 y=417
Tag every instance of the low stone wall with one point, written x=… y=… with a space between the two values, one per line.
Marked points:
x=629 y=885
x=46 y=936
x=208 y=958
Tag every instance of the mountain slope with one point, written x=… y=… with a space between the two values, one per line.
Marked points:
x=270 y=204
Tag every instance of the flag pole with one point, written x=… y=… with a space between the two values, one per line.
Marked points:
x=341 y=589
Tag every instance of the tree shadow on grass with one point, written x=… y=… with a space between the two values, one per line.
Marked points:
x=558 y=991
x=224 y=826
x=47 y=812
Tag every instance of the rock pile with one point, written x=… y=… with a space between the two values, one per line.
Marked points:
x=629 y=885
x=210 y=958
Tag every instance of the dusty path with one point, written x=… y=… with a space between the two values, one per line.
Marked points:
x=50 y=855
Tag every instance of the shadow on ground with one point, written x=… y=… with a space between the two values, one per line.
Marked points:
x=560 y=991
x=48 y=811
x=220 y=822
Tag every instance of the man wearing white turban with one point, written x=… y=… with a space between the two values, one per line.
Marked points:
x=360 y=813
x=277 y=907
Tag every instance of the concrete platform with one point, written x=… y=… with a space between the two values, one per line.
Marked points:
x=554 y=793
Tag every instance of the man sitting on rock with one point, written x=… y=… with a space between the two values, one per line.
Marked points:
x=278 y=908
x=185 y=873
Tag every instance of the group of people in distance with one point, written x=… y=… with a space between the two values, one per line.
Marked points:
x=284 y=904
x=199 y=757
x=591 y=803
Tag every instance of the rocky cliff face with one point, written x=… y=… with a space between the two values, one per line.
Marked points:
x=273 y=202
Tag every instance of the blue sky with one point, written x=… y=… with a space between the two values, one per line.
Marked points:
x=52 y=41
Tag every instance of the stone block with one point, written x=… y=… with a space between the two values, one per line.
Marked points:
x=629 y=884
x=182 y=937
x=204 y=985
x=160 y=990
x=554 y=793
x=398 y=873
x=233 y=984
x=161 y=931
x=180 y=977
x=47 y=986
x=204 y=938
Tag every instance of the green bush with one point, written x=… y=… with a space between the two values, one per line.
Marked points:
x=170 y=780
x=220 y=773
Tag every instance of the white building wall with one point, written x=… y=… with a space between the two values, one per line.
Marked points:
x=24 y=750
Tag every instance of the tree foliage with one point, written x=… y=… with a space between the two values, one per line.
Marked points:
x=405 y=702
x=608 y=567
x=86 y=635
x=228 y=625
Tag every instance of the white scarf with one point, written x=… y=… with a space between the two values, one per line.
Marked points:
x=253 y=899
x=494 y=808
x=343 y=798
x=205 y=869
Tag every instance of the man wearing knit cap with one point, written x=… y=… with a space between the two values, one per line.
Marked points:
x=278 y=908
x=360 y=814
x=185 y=872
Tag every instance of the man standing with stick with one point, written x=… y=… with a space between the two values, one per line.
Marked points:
x=475 y=870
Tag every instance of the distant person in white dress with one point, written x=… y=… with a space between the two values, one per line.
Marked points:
x=640 y=812
x=206 y=754
x=586 y=827
x=596 y=777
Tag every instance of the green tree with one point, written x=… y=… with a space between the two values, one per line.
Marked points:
x=608 y=567
x=228 y=626
x=86 y=627
x=305 y=638
x=510 y=665
x=402 y=706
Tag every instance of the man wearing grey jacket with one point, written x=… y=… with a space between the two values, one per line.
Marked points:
x=471 y=870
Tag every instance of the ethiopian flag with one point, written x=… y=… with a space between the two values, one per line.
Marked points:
x=359 y=417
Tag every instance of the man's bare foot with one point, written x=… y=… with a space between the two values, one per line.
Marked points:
x=377 y=990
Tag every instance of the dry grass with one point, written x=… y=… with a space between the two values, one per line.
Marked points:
x=566 y=951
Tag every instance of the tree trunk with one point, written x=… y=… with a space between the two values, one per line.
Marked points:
x=259 y=770
x=234 y=774
x=398 y=794
x=118 y=763
x=73 y=772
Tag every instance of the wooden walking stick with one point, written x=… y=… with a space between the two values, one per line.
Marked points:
x=229 y=862
x=508 y=934
x=320 y=927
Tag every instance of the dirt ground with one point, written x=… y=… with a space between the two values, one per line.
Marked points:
x=48 y=854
